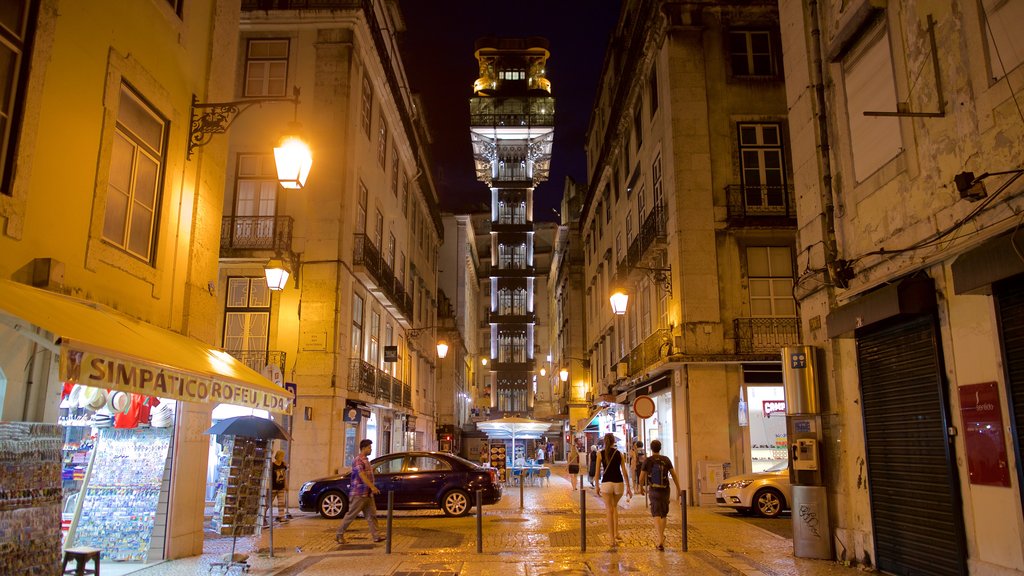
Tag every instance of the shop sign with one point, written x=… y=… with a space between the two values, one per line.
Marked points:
x=102 y=371
x=773 y=407
x=981 y=414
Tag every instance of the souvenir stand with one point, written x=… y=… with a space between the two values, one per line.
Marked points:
x=30 y=498
x=244 y=482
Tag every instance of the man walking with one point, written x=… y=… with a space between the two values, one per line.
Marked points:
x=360 y=494
x=654 y=477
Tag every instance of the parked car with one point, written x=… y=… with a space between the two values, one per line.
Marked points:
x=767 y=493
x=419 y=480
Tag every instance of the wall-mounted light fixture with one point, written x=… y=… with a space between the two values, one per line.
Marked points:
x=442 y=349
x=660 y=276
x=292 y=155
x=277 y=273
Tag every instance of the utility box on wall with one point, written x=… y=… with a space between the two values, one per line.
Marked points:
x=709 y=475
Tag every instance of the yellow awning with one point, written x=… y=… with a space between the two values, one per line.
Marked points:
x=104 y=348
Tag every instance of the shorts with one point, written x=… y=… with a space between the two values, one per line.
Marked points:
x=613 y=487
x=658 y=499
x=574 y=468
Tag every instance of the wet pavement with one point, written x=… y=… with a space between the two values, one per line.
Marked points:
x=542 y=538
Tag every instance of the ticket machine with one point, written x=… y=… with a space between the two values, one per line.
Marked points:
x=812 y=534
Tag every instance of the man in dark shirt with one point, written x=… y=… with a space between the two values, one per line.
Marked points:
x=279 y=487
x=654 y=475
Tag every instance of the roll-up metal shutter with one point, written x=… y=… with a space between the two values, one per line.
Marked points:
x=914 y=492
x=1010 y=306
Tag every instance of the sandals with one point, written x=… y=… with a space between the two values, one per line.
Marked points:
x=379 y=538
x=660 y=547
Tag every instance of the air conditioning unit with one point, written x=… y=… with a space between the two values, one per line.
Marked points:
x=621 y=370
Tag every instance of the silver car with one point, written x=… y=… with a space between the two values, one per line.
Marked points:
x=766 y=493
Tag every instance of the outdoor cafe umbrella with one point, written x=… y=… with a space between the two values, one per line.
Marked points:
x=251 y=426
x=512 y=426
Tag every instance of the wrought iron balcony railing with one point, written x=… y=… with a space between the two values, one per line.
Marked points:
x=760 y=205
x=260 y=359
x=655 y=347
x=372 y=381
x=765 y=335
x=366 y=255
x=272 y=233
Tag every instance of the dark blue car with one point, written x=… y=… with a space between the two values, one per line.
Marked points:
x=418 y=479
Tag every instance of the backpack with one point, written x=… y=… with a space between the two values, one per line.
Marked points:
x=657 y=475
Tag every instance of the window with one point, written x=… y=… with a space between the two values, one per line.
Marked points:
x=136 y=164
x=652 y=91
x=391 y=251
x=400 y=272
x=389 y=466
x=761 y=167
x=382 y=144
x=618 y=246
x=638 y=127
x=266 y=67
x=367 y=105
x=426 y=464
x=361 y=211
x=770 y=274
x=176 y=5
x=375 y=356
x=357 y=326
x=870 y=86
x=750 y=53
x=641 y=206
x=1005 y=44
x=255 y=201
x=659 y=198
x=247 y=320
x=394 y=170
x=16 y=31
x=389 y=335
x=405 y=195
x=629 y=228
x=378 y=231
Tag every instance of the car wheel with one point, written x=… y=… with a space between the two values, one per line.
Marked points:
x=333 y=505
x=455 y=503
x=768 y=502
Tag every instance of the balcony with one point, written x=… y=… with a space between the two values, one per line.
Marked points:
x=655 y=347
x=511 y=317
x=512 y=112
x=242 y=234
x=645 y=250
x=372 y=269
x=381 y=386
x=259 y=359
x=760 y=206
x=765 y=335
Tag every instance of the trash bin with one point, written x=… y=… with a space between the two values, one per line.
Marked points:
x=812 y=535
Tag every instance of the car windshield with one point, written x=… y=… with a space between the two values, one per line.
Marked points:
x=779 y=467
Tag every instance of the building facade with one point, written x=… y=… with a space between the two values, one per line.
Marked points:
x=907 y=137
x=512 y=129
x=689 y=213
x=360 y=239
x=108 y=265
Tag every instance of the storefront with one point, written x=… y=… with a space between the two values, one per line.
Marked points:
x=132 y=401
x=766 y=419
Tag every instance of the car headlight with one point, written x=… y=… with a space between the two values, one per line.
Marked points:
x=306 y=487
x=738 y=484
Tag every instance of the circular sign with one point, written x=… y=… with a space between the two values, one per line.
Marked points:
x=643 y=407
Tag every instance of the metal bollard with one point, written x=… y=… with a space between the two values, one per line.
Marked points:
x=521 y=482
x=479 y=521
x=583 y=518
x=391 y=510
x=682 y=502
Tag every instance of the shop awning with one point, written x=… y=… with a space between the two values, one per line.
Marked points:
x=102 y=347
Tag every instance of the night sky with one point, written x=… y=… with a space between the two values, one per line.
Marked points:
x=437 y=49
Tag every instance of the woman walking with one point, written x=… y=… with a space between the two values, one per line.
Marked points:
x=574 y=465
x=592 y=465
x=614 y=477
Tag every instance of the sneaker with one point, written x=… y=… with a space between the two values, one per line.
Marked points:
x=287 y=516
x=660 y=547
x=340 y=539
x=379 y=538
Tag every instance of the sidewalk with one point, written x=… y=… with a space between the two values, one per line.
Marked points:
x=542 y=538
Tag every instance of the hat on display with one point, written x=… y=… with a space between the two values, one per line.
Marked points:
x=75 y=397
x=162 y=416
x=95 y=398
x=102 y=419
x=118 y=401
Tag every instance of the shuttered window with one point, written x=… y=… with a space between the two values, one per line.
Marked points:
x=871 y=87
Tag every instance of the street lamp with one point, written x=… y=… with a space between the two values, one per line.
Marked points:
x=563 y=374
x=277 y=274
x=292 y=155
x=619 y=300
x=661 y=276
x=442 y=349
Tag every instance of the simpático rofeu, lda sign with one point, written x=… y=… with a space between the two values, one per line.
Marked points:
x=103 y=371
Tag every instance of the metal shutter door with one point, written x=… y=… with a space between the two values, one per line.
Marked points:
x=1010 y=307
x=915 y=505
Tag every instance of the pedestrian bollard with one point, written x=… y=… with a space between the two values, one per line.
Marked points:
x=391 y=510
x=479 y=521
x=682 y=502
x=521 y=482
x=583 y=519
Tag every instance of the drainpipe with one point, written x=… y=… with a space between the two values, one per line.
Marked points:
x=828 y=232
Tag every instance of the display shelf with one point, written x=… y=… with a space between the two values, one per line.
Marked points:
x=240 y=486
x=122 y=491
x=30 y=498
